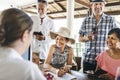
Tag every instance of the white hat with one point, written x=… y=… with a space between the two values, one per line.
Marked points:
x=64 y=32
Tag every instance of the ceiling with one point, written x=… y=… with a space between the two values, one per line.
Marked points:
x=57 y=8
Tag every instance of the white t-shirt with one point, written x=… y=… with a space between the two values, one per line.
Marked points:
x=14 y=67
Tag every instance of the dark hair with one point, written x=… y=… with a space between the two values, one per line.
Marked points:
x=116 y=31
x=43 y=1
x=67 y=39
x=12 y=25
x=97 y=0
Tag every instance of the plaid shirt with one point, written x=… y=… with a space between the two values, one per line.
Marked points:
x=93 y=48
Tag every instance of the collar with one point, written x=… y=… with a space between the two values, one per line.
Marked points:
x=9 y=52
x=103 y=16
x=46 y=17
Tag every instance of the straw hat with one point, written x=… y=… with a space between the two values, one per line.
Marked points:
x=64 y=32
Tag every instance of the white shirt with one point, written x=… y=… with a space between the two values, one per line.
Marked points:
x=14 y=67
x=42 y=47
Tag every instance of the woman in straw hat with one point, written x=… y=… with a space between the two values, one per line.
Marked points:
x=60 y=54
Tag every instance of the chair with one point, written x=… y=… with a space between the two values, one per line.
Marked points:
x=76 y=63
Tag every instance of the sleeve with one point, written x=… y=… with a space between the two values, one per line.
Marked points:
x=36 y=27
x=113 y=23
x=34 y=73
x=82 y=28
x=99 y=59
x=52 y=27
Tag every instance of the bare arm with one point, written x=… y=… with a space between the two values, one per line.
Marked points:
x=49 y=57
x=70 y=55
x=48 y=60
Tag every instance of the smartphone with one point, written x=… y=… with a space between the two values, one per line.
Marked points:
x=37 y=33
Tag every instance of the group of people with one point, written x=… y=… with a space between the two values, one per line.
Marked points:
x=98 y=31
x=101 y=37
x=57 y=57
x=16 y=32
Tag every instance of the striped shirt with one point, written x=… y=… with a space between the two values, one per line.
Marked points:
x=93 y=48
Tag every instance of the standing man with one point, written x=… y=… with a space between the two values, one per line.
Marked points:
x=93 y=32
x=42 y=27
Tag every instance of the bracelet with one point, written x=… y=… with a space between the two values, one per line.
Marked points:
x=57 y=70
x=54 y=70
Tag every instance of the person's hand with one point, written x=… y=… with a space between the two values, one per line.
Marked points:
x=61 y=72
x=106 y=76
x=44 y=70
x=67 y=68
x=40 y=37
x=90 y=37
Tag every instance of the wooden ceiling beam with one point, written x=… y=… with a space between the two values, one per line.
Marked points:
x=112 y=4
x=63 y=17
x=82 y=2
x=61 y=6
x=84 y=15
x=56 y=1
x=113 y=12
x=87 y=4
x=83 y=8
x=56 y=12
x=76 y=9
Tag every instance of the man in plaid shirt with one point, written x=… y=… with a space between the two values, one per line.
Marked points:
x=93 y=32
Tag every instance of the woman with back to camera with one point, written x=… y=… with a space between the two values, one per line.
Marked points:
x=15 y=37
x=109 y=60
x=60 y=54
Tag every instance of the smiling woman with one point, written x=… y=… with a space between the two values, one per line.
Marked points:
x=60 y=54
x=109 y=60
